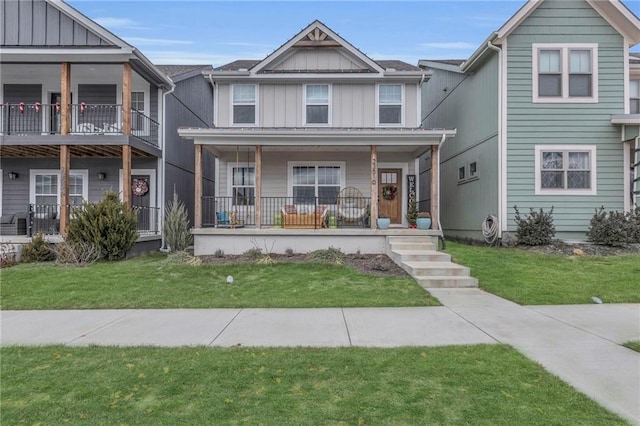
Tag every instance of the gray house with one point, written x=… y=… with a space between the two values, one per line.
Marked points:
x=311 y=144
x=546 y=111
x=83 y=112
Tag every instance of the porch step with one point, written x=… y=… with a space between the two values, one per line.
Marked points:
x=430 y=268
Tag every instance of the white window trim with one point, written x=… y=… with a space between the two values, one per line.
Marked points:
x=564 y=49
x=402 y=105
x=230 y=167
x=231 y=104
x=562 y=148
x=463 y=179
x=32 y=182
x=304 y=105
x=292 y=164
x=631 y=95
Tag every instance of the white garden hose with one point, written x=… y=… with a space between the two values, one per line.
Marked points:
x=490 y=229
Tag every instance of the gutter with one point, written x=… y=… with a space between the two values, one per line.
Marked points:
x=479 y=52
x=501 y=107
x=442 y=141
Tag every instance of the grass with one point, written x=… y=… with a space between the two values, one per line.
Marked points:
x=531 y=278
x=151 y=282
x=635 y=345
x=490 y=384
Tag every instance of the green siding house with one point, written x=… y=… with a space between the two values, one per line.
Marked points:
x=546 y=111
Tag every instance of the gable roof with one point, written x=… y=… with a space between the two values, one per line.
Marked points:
x=247 y=64
x=182 y=72
x=316 y=35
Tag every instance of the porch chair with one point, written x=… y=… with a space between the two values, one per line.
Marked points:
x=351 y=205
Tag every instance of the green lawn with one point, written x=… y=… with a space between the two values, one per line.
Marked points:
x=150 y=282
x=635 y=345
x=530 y=278
x=480 y=385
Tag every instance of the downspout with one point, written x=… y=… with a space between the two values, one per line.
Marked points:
x=442 y=141
x=163 y=163
x=500 y=139
x=216 y=172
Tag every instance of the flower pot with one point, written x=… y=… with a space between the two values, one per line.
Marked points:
x=333 y=222
x=384 y=222
x=277 y=221
x=423 y=222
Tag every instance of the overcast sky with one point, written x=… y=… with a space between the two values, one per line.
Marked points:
x=217 y=32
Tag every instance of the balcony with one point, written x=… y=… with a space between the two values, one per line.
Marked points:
x=86 y=119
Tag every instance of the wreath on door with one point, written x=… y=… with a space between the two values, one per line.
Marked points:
x=389 y=192
x=140 y=187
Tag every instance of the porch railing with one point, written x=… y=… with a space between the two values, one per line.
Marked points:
x=86 y=119
x=148 y=220
x=285 y=212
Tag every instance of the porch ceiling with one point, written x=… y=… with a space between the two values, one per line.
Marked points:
x=49 y=151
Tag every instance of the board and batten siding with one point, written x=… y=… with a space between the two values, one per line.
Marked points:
x=320 y=60
x=352 y=105
x=37 y=23
x=468 y=103
x=531 y=124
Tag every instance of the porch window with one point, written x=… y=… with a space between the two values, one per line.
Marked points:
x=565 y=170
x=45 y=187
x=390 y=104
x=317 y=104
x=244 y=104
x=565 y=73
x=137 y=104
x=243 y=186
x=310 y=181
x=634 y=97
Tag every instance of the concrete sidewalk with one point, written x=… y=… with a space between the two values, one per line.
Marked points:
x=580 y=344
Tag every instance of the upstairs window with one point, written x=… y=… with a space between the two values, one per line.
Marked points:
x=565 y=170
x=137 y=104
x=390 y=104
x=634 y=97
x=244 y=104
x=565 y=73
x=317 y=104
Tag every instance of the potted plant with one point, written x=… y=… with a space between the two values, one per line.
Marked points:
x=412 y=213
x=423 y=221
x=383 y=221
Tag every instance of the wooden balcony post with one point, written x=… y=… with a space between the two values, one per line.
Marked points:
x=126 y=99
x=126 y=175
x=374 y=188
x=435 y=187
x=65 y=163
x=197 y=202
x=65 y=94
x=258 y=200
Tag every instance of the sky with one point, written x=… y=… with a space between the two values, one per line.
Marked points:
x=215 y=32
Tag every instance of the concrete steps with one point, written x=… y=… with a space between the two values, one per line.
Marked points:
x=430 y=268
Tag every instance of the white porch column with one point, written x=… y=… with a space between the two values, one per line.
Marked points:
x=258 y=201
x=374 y=187
x=435 y=187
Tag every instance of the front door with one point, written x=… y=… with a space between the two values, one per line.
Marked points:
x=141 y=200
x=390 y=194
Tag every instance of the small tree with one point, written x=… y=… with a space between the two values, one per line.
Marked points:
x=536 y=229
x=176 y=225
x=38 y=250
x=109 y=224
x=612 y=229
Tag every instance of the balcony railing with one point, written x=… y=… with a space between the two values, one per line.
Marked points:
x=286 y=212
x=86 y=119
x=148 y=220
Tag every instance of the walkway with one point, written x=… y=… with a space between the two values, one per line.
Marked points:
x=580 y=344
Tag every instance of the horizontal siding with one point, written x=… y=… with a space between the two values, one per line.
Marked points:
x=529 y=124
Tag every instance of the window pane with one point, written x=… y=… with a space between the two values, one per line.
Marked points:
x=390 y=93
x=461 y=174
x=549 y=61
x=328 y=194
x=328 y=175
x=552 y=160
x=579 y=160
x=634 y=89
x=580 y=61
x=580 y=85
x=137 y=101
x=578 y=180
x=75 y=200
x=244 y=93
x=552 y=180
x=317 y=114
x=46 y=185
x=304 y=194
x=635 y=106
x=243 y=176
x=244 y=114
x=49 y=200
x=390 y=114
x=304 y=175
x=243 y=196
x=318 y=94
x=549 y=85
x=75 y=185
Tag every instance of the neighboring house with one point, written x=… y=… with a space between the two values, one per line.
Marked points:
x=295 y=129
x=83 y=112
x=546 y=112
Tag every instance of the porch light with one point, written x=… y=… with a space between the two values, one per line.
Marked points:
x=13 y=175
x=102 y=175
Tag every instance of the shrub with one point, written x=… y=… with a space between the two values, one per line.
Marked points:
x=613 y=228
x=76 y=253
x=289 y=252
x=253 y=253
x=108 y=224
x=38 y=250
x=381 y=263
x=183 y=258
x=330 y=255
x=176 y=225
x=219 y=253
x=536 y=229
